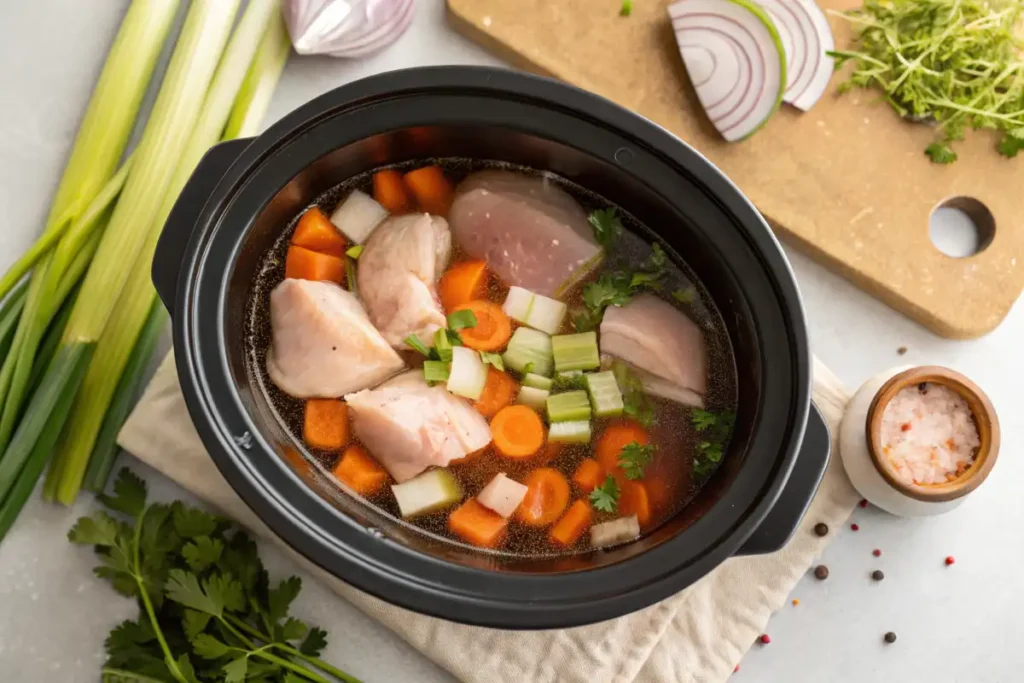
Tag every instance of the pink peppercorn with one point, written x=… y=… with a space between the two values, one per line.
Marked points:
x=950 y=560
x=765 y=638
x=876 y=552
x=736 y=669
x=863 y=502
x=855 y=527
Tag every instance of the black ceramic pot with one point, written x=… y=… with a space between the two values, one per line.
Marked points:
x=244 y=192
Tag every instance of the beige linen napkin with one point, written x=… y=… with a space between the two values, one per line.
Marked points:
x=695 y=636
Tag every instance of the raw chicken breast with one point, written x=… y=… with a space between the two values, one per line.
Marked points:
x=323 y=344
x=409 y=426
x=530 y=232
x=398 y=270
x=664 y=347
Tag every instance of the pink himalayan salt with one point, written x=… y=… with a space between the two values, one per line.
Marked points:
x=928 y=434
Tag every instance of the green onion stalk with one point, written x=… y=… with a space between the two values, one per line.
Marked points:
x=115 y=346
x=170 y=124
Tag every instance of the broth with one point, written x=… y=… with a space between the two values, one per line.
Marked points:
x=675 y=428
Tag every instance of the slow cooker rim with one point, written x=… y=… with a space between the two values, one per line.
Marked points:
x=768 y=251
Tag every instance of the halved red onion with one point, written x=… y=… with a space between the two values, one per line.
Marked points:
x=806 y=36
x=346 y=28
x=735 y=59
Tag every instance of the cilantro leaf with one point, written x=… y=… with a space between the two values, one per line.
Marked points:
x=314 y=642
x=634 y=458
x=190 y=522
x=607 y=226
x=354 y=252
x=460 y=320
x=606 y=496
x=494 y=359
x=202 y=552
x=100 y=529
x=129 y=494
x=208 y=647
x=940 y=153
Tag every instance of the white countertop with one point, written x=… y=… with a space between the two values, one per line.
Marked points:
x=953 y=624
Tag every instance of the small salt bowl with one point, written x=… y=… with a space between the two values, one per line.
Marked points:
x=931 y=470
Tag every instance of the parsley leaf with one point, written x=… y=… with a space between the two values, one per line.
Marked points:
x=634 y=458
x=314 y=643
x=619 y=287
x=716 y=430
x=494 y=359
x=129 y=494
x=607 y=226
x=354 y=252
x=100 y=529
x=236 y=670
x=202 y=552
x=460 y=320
x=208 y=647
x=702 y=419
x=1012 y=142
x=194 y=623
x=685 y=296
x=635 y=401
x=192 y=522
x=216 y=594
x=940 y=153
x=606 y=496
x=626 y=9
x=568 y=382
x=416 y=344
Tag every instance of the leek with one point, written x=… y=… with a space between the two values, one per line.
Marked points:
x=118 y=338
x=261 y=80
x=174 y=115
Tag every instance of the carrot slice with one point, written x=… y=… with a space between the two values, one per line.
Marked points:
x=633 y=501
x=588 y=475
x=389 y=191
x=493 y=328
x=316 y=232
x=517 y=431
x=462 y=283
x=498 y=392
x=325 y=423
x=573 y=524
x=475 y=524
x=613 y=440
x=431 y=189
x=547 y=495
x=363 y=474
x=304 y=264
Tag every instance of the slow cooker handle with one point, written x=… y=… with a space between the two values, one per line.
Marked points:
x=170 y=250
x=780 y=524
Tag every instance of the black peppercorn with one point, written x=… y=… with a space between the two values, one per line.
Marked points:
x=821 y=529
x=821 y=572
x=877 y=575
x=890 y=637
x=923 y=387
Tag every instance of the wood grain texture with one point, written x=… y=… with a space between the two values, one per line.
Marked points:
x=847 y=182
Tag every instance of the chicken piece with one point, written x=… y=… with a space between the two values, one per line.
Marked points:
x=409 y=426
x=530 y=232
x=398 y=273
x=665 y=348
x=322 y=342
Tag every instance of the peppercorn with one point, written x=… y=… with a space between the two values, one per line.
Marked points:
x=876 y=552
x=890 y=637
x=877 y=575
x=821 y=572
x=821 y=529
x=923 y=388
x=950 y=560
x=902 y=350
x=855 y=527
x=765 y=639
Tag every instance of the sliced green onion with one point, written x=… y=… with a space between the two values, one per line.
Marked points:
x=605 y=396
x=443 y=345
x=435 y=371
x=533 y=397
x=493 y=359
x=576 y=351
x=350 y=276
x=50 y=343
x=568 y=407
x=529 y=348
x=355 y=251
x=537 y=381
x=461 y=320
x=258 y=87
x=416 y=344
x=570 y=432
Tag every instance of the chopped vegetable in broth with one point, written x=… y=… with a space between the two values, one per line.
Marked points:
x=493 y=355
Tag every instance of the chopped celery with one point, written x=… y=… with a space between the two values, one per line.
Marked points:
x=435 y=371
x=443 y=345
x=535 y=310
x=576 y=351
x=537 y=381
x=533 y=397
x=605 y=396
x=428 y=492
x=570 y=432
x=468 y=374
x=572 y=405
x=529 y=348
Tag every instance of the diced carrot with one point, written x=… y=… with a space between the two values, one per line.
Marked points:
x=475 y=524
x=462 y=283
x=304 y=264
x=498 y=392
x=633 y=501
x=517 y=431
x=615 y=437
x=316 y=232
x=573 y=524
x=390 y=192
x=325 y=424
x=546 y=497
x=363 y=474
x=493 y=328
x=431 y=189
x=588 y=475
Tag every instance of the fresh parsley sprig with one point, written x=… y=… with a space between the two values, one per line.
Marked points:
x=208 y=612
x=606 y=496
x=607 y=226
x=618 y=287
x=634 y=458
x=715 y=430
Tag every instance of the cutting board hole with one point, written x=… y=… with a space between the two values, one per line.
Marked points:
x=961 y=227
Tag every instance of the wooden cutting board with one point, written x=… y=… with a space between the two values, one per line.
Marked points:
x=847 y=182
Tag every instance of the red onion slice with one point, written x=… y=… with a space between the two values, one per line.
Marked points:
x=806 y=36
x=735 y=60
x=346 y=28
